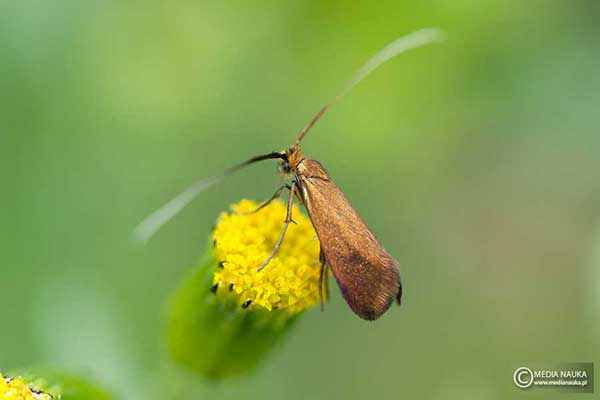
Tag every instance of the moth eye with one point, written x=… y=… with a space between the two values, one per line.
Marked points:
x=284 y=167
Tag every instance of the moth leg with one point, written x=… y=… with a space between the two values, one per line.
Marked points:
x=323 y=281
x=399 y=295
x=299 y=197
x=267 y=202
x=326 y=280
x=288 y=220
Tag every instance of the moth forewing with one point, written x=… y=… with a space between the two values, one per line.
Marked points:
x=367 y=275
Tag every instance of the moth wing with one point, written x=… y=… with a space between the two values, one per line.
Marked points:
x=366 y=273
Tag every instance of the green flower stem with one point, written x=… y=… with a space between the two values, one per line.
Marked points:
x=212 y=335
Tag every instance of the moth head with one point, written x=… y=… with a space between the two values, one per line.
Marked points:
x=290 y=160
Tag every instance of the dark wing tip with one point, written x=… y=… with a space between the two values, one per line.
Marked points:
x=375 y=309
x=372 y=296
x=370 y=315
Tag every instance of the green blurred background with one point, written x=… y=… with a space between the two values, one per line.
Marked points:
x=476 y=162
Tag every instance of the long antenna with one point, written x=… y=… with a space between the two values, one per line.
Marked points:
x=411 y=41
x=152 y=223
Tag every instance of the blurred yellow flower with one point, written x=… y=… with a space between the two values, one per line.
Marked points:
x=17 y=389
x=242 y=242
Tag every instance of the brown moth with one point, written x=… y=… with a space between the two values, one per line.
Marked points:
x=368 y=276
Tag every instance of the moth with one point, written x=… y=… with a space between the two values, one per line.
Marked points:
x=367 y=275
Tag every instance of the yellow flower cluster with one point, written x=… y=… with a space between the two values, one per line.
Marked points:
x=244 y=241
x=16 y=389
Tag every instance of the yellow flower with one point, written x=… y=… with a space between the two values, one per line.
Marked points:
x=242 y=242
x=225 y=317
x=17 y=389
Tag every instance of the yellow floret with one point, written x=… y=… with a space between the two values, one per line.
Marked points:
x=243 y=243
